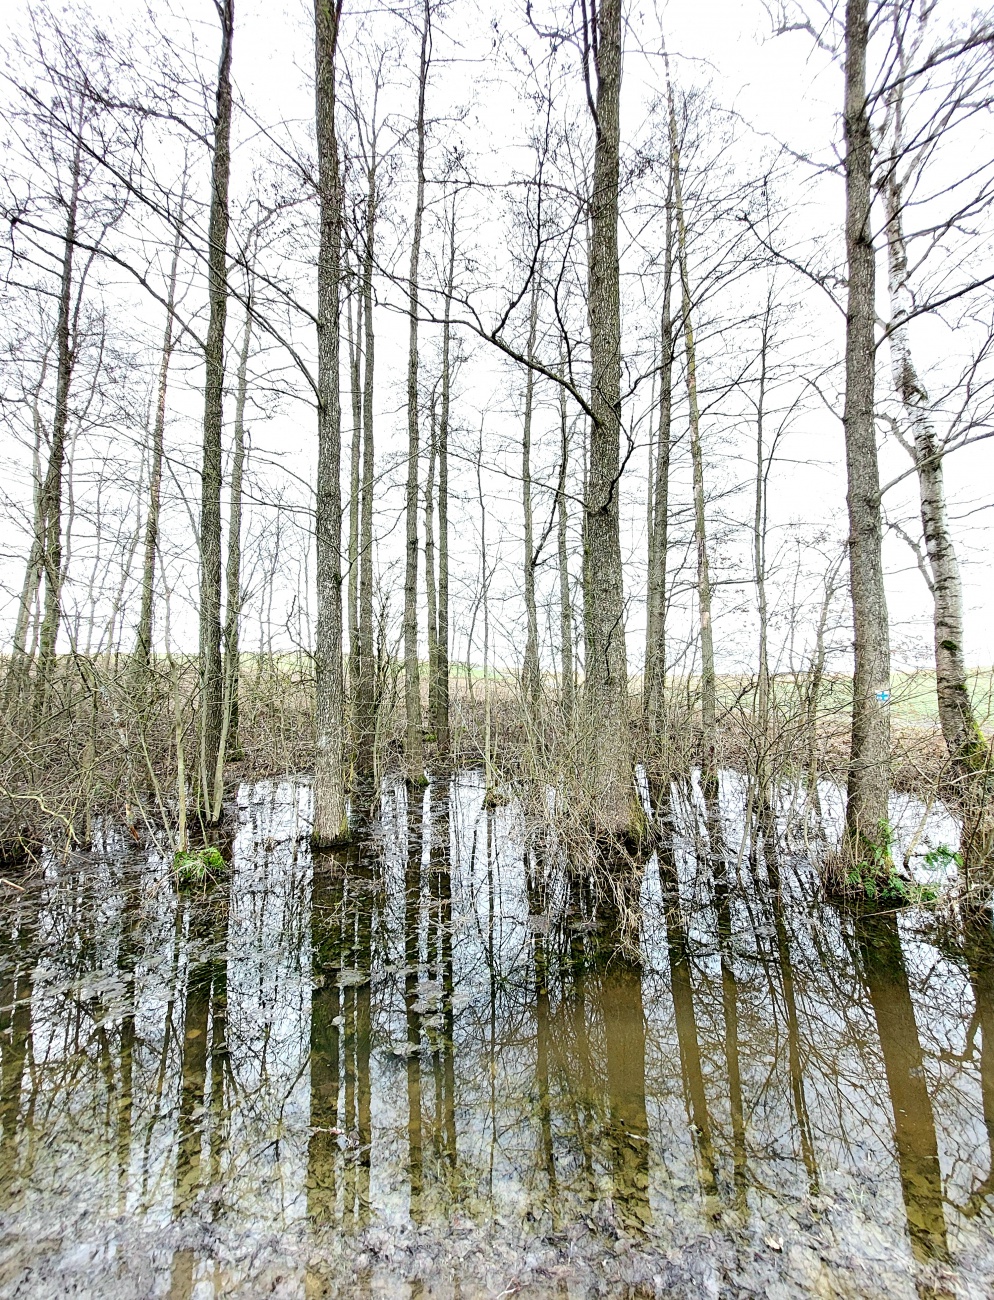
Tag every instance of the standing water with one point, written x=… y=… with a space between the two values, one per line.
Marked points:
x=443 y=1064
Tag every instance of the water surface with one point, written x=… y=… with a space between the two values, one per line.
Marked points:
x=445 y=1064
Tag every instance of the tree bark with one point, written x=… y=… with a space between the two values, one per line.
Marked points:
x=210 y=784
x=355 y=461
x=759 y=561
x=490 y=774
x=366 y=707
x=606 y=667
x=709 y=690
x=431 y=592
x=566 y=664
x=816 y=675
x=869 y=764
x=654 y=690
x=964 y=739
x=531 y=675
x=230 y=743
x=330 y=811
x=413 y=747
x=51 y=492
x=19 y=669
x=440 y=681
x=143 y=639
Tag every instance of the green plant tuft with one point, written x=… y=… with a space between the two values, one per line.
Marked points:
x=875 y=877
x=211 y=858
x=873 y=868
x=193 y=868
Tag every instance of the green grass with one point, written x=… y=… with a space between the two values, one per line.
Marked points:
x=913 y=698
x=193 y=868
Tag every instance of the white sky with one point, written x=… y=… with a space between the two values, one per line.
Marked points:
x=783 y=90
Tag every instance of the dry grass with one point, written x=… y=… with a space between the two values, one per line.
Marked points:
x=108 y=748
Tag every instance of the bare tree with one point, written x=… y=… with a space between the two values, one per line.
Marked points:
x=413 y=747
x=439 y=685
x=354 y=327
x=605 y=661
x=965 y=742
x=431 y=576
x=759 y=547
x=867 y=816
x=230 y=742
x=50 y=512
x=211 y=769
x=19 y=668
x=366 y=702
x=654 y=689
x=143 y=638
x=566 y=633
x=368 y=130
x=530 y=672
x=709 y=690
x=330 y=811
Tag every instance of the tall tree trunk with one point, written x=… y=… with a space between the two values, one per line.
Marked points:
x=355 y=383
x=485 y=576
x=566 y=664
x=964 y=740
x=532 y=676
x=143 y=639
x=869 y=764
x=440 y=680
x=959 y=726
x=51 y=492
x=366 y=709
x=413 y=748
x=759 y=562
x=709 y=690
x=210 y=784
x=606 y=667
x=431 y=593
x=230 y=742
x=18 y=671
x=654 y=699
x=111 y=638
x=330 y=812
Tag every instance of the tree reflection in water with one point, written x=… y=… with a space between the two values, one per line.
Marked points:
x=450 y=1053
x=879 y=943
x=15 y=1038
x=620 y=979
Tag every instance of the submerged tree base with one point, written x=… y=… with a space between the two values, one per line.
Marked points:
x=330 y=843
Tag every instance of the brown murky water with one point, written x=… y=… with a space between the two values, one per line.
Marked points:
x=438 y=1065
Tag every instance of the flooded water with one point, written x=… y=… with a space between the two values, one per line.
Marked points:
x=443 y=1064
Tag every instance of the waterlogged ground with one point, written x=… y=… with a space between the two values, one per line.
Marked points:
x=441 y=1065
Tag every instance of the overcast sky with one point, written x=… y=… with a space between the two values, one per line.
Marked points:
x=774 y=91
